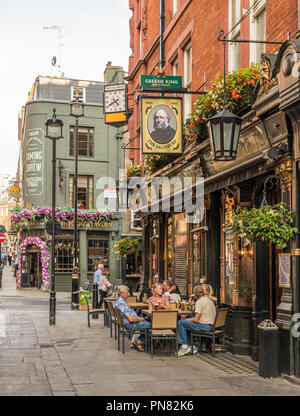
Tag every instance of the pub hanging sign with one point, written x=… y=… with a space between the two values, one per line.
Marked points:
x=161 y=125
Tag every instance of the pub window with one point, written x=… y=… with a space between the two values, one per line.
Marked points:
x=135 y=221
x=97 y=253
x=175 y=6
x=64 y=255
x=188 y=80
x=85 y=141
x=175 y=67
x=258 y=30
x=170 y=248
x=180 y=252
x=78 y=93
x=85 y=191
x=234 y=28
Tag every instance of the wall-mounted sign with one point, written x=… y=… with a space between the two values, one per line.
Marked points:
x=161 y=125
x=110 y=193
x=161 y=82
x=34 y=156
x=115 y=104
x=284 y=265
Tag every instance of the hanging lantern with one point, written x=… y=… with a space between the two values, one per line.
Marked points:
x=224 y=131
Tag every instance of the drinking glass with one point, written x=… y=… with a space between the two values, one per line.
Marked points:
x=183 y=306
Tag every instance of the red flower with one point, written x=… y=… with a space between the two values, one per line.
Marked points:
x=239 y=79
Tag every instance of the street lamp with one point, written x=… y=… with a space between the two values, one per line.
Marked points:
x=76 y=110
x=54 y=130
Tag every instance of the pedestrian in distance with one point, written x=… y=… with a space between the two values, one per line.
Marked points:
x=100 y=277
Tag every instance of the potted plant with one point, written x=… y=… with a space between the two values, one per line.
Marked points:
x=240 y=94
x=125 y=246
x=271 y=224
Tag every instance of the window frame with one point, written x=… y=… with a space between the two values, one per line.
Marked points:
x=255 y=13
x=188 y=82
x=89 y=141
x=234 y=48
x=89 y=190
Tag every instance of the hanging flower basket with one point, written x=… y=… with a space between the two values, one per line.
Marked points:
x=126 y=246
x=270 y=224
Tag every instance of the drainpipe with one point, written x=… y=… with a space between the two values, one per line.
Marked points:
x=162 y=30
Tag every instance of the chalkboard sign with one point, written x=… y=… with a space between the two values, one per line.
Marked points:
x=284 y=265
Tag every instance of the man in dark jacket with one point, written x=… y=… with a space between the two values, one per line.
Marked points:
x=163 y=133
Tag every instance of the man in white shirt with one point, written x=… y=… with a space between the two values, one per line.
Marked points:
x=205 y=313
x=99 y=277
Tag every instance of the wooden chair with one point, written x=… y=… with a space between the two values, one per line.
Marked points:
x=124 y=331
x=217 y=332
x=164 y=327
x=91 y=311
x=111 y=317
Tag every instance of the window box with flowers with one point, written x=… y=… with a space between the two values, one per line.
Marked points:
x=270 y=224
x=152 y=162
x=240 y=95
x=126 y=246
x=133 y=170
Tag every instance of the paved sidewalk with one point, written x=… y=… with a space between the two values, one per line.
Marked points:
x=10 y=289
x=74 y=360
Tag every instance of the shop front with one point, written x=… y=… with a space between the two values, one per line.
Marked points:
x=246 y=278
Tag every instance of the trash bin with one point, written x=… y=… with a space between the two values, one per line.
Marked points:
x=268 y=349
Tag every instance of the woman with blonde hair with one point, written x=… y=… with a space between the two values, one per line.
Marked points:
x=158 y=298
x=208 y=290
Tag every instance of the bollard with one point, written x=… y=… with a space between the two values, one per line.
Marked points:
x=75 y=291
x=95 y=300
x=1 y=271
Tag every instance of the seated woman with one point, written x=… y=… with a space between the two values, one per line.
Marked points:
x=158 y=298
x=172 y=291
x=208 y=290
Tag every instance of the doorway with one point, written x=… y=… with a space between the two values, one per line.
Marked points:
x=34 y=268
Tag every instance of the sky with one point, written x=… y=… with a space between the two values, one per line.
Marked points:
x=95 y=32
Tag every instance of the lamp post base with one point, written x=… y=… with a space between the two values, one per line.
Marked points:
x=52 y=307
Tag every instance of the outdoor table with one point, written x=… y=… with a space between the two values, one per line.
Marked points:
x=137 y=304
x=148 y=313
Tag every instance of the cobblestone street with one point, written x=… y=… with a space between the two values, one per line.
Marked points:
x=71 y=359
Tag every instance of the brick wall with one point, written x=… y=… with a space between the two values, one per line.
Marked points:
x=198 y=22
x=281 y=18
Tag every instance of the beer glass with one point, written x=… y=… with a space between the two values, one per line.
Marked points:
x=184 y=306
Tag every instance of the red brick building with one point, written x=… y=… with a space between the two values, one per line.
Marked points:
x=191 y=46
x=248 y=283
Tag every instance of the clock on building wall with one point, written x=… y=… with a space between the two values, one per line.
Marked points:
x=115 y=104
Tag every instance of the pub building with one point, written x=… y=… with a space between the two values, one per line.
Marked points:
x=265 y=171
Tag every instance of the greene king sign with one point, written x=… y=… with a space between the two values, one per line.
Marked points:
x=160 y=82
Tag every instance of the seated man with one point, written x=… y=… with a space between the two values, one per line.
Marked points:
x=205 y=313
x=130 y=317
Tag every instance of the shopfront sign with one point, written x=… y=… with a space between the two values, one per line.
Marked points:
x=161 y=125
x=34 y=162
x=161 y=82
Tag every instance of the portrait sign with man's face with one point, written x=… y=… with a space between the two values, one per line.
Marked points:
x=161 y=125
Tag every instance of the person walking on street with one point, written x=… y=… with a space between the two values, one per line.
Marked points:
x=101 y=279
